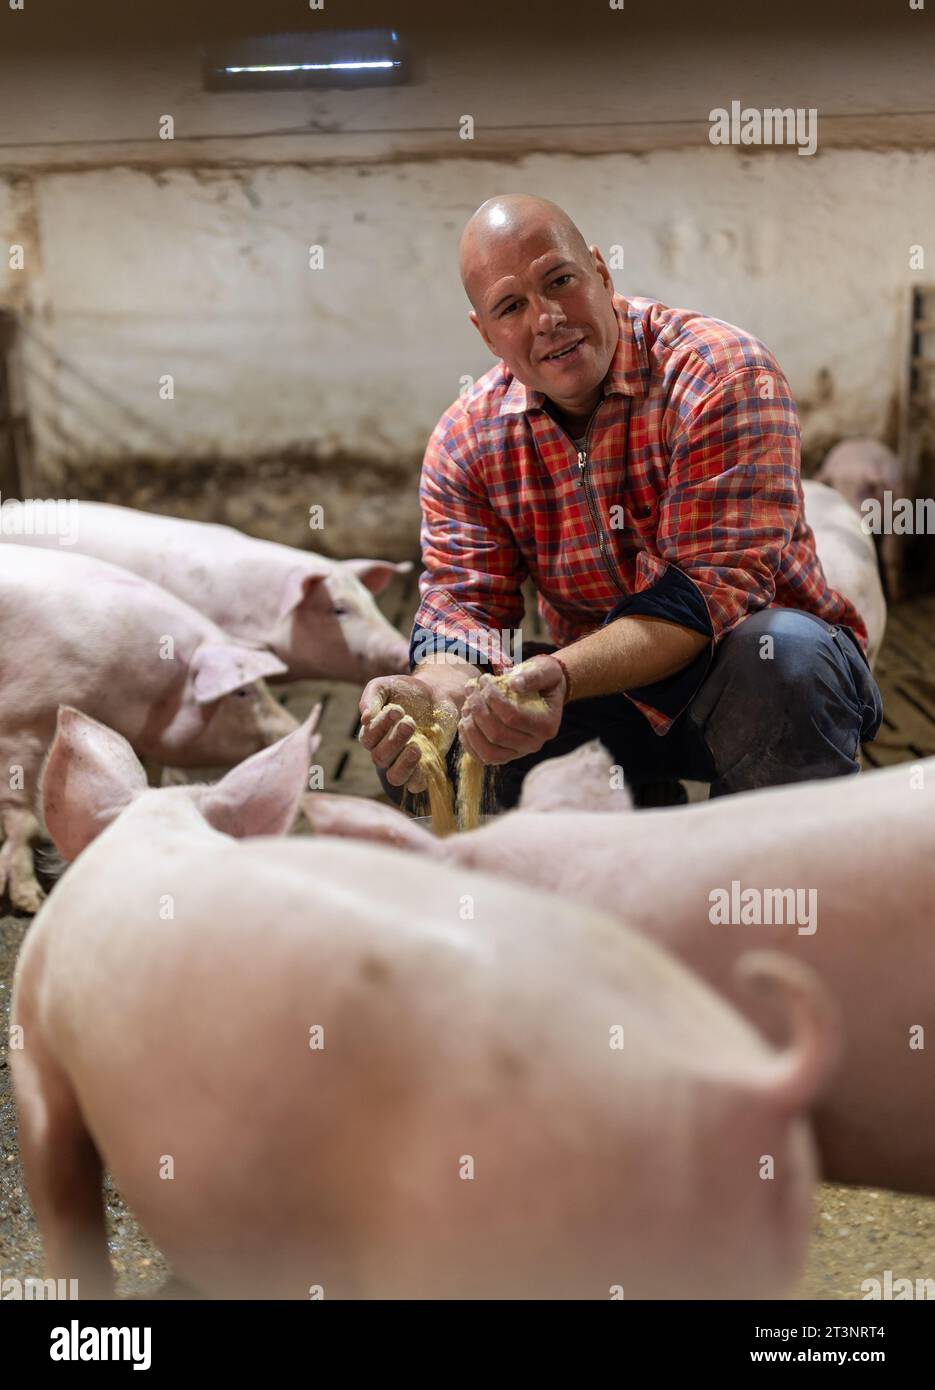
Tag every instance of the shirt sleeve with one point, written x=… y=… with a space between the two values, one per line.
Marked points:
x=734 y=494
x=728 y=513
x=471 y=585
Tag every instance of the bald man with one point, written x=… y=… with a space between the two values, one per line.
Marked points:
x=641 y=464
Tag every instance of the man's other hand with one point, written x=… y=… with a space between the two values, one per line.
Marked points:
x=495 y=729
x=392 y=708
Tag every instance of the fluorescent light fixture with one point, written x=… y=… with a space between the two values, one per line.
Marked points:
x=313 y=67
x=326 y=58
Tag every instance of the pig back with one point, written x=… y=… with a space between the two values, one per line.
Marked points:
x=234 y=579
x=848 y=557
x=373 y=1031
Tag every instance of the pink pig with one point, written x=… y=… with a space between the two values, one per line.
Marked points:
x=78 y=630
x=316 y=1065
x=857 y=854
x=848 y=557
x=317 y=615
x=863 y=469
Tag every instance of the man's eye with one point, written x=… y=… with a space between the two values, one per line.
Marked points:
x=508 y=310
x=560 y=278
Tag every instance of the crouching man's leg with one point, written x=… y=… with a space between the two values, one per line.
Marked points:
x=788 y=698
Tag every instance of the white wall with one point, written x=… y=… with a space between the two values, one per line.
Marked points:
x=190 y=257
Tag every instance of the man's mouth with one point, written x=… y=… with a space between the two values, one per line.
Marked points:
x=563 y=353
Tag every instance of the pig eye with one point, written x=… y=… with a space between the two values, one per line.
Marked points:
x=339 y=610
x=242 y=693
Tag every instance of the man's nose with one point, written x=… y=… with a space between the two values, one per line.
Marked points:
x=548 y=316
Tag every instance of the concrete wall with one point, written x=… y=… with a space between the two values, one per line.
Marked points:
x=292 y=385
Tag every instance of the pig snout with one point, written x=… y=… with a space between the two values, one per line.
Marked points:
x=384 y=654
x=363 y=646
x=375 y=646
x=372 y=646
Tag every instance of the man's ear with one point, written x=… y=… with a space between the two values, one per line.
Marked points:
x=477 y=324
x=600 y=265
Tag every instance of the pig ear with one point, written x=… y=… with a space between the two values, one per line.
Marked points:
x=584 y=780
x=299 y=588
x=90 y=775
x=218 y=668
x=262 y=796
x=359 y=818
x=376 y=574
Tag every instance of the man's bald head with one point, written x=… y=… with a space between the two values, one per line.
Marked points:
x=513 y=218
x=543 y=299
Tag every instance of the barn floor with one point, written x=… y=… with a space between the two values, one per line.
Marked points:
x=859 y=1232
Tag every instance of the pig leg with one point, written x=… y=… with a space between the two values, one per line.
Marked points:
x=62 y=1167
x=17 y=870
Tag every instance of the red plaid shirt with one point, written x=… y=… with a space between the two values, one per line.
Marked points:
x=687 y=504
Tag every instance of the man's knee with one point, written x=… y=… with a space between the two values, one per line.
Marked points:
x=782 y=659
x=782 y=702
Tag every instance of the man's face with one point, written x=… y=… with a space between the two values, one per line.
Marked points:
x=536 y=297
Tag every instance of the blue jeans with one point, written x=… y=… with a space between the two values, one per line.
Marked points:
x=755 y=721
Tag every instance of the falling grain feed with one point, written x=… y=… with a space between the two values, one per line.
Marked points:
x=475 y=780
x=431 y=742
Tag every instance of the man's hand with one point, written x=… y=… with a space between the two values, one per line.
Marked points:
x=495 y=729
x=392 y=708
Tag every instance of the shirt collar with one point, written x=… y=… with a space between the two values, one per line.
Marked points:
x=628 y=374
